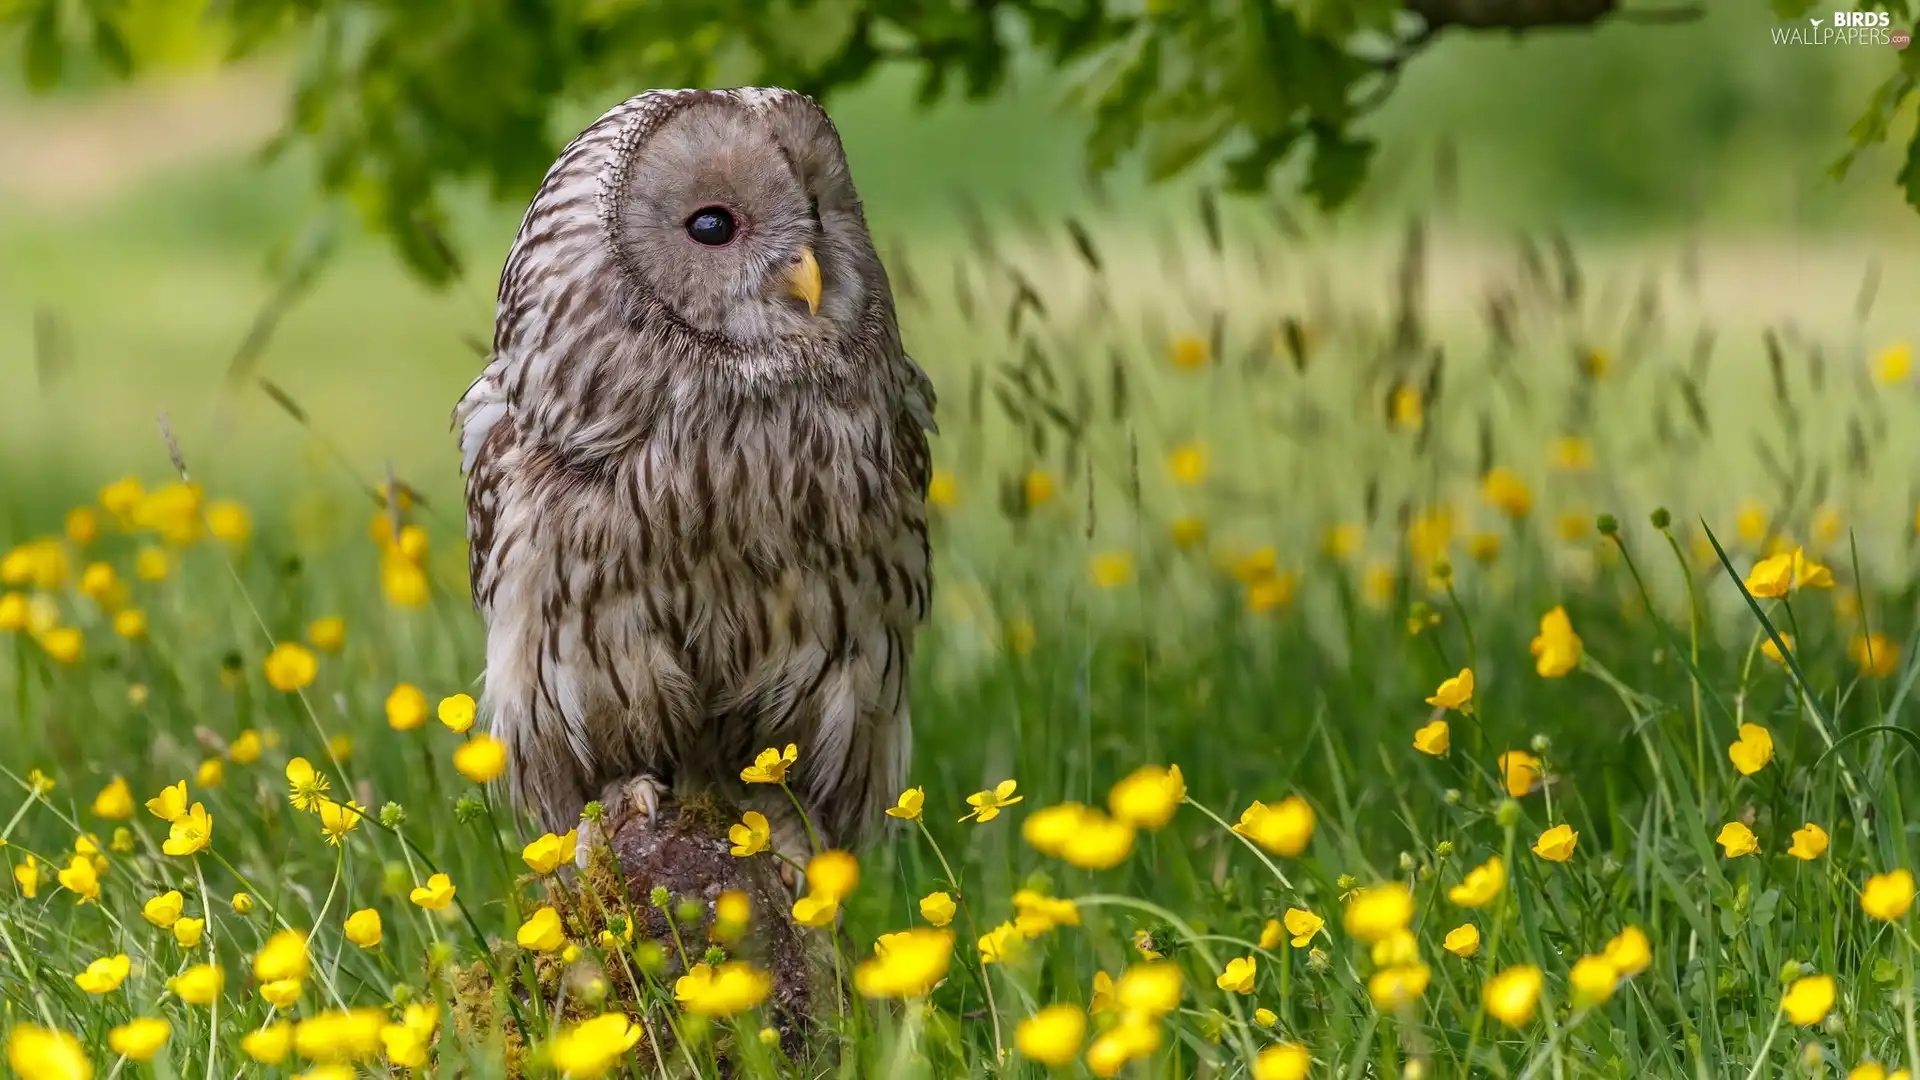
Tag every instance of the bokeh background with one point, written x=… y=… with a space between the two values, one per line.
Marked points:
x=139 y=231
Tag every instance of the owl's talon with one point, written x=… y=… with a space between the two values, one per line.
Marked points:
x=635 y=797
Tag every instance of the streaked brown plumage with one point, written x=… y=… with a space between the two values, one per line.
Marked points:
x=696 y=505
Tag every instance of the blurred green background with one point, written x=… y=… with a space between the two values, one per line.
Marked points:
x=138 y=230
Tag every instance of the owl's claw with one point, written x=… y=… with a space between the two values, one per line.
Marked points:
x=624 y=800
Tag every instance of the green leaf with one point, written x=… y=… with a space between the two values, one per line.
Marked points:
x=1339 y=165
x=1909 y=178
x=45 y=53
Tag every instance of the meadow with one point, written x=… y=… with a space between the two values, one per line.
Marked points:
x=1402 y=646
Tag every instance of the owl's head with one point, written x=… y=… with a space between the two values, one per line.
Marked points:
x=736 y=211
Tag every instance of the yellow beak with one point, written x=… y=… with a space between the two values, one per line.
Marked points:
x=803 y=279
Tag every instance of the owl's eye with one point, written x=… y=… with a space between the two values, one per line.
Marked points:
x=711 y=225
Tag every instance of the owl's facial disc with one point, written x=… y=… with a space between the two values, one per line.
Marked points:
x=728 y=220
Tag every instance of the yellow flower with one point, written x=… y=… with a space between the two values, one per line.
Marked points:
x=1000 y=944
x=1287 y=1061
x=912 y=801
x=1503 y=490
x=1594 y=979
x=1737 y=840
x=229 y=522
x=1111 y=569
x=1433 y=738
x=242 y=904
x=1147 y=797
x=1405 y=408
x=1187 y=532
x=943 y=489
x=245 y=748
x=306 y=786
x=832 y=873
x=1397 y=987
x=751 y=835
x=139 y=1039
x=457 y=712
x=770 y=766
x=1510 y=996
x=190 y=832
x=115 y=801
x=1463 y=940
x=1571 y=453
x=1887 y=896
x=162 y=910
x=1050 y=828
x=1377 y=913
x=104 y=976
x=211 y=773
x=270 y=1045
x=1556 y=844
x=1875 y=654
x=1282 y=829
x=1808 y=1000
x=281 y=993
x=1020 y=635
x=733 y=987
x=1455 y=693
x=1772 y=652
x=402 y=581
x=1483 y=546
x=81 y=878
x=813 y=910
x=1557 y=648
x=27 y=876
x=542 y=932
x=152 y=564
x=339 y=1036
x=1265 y=1018
x=908 y=964
x=1894 y=363
x=1481 y=885
x=481 y=759
x=64 y=644
x=1098 y=843
x=1053 y=1035
x=1873 y=1070
x=551 y=852
x=1134 y=1037
x=406 y=707
x=170 y=804
x=1036 y=912
x=1301 y=925
x=1271 y=593
x=38 y=1053
x=1751 y=752
x=1238 y=977
x=1039 y=487
x=1751 y=522
x=1102 y=999
x=732 y=911
x=937 y=908
x=290 y=667
x=363 y=928
x=98 y=581
x=1397 y=949
x=284 y=956
x=199 y=984
x=1520 y=771
x=328 y=634
x=188 y=931
x=82 y=525
x=1809 y=842
x=1188 y=464
x=1153 y=989
x=588 y=1050
x=988 y=804
x=435 y=895
x=1629 y=952
x=1189 y=353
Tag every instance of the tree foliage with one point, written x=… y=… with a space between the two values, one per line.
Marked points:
x=398 y=98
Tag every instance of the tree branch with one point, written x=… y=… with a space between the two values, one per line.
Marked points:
x=1511 y=14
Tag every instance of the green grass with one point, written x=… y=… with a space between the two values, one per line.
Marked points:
x=1299 y=673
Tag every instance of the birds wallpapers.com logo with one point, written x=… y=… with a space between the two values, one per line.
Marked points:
x=1844 y=28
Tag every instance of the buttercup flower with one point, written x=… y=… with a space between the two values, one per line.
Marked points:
x=1433 y=738
x=1556 y=844
x=270 y=1045
x=908 y=964
x=988 y=804
x=339 y=819
x=937 y=908
x=1397 y=987
x=590 y=1049
x=1629 y=952
x=1239 y=975
x=770 y=766
x=551 y=852
x=457 y=712
x=1887 y=896
x=328 y=634
x=189 y=834
x=1454 y=693
x=38 y=1053
x=104 y=976
x=435 y=895
x=1053 y=1035
x=1808 y=1000
x=911 y=802
x=1282 y=829
x=733 y=987
x=1809 y=842
x=1373 y=914
x=1556 y=649
x=170 y=804
x=290 y=667
x=1481 y=885
x=1594 y=979
x=306 y=786
x=1520 y=771
x=1287 y=1061
x=199 y=984
x=542 y=932
x=1510 y=996
x=481 y=759
x=1463 y=940
x=188 y=931
x=1737 y=840
x=1147 y=797
x=1503 y=490
x=363 y=928
x=81 y=878
x=115 y=801
x=139 y=1039
x=162 y=910
x=1875 y=654
x=406 y=707
x=1752 y=750
x=1302 y=925
x=751 y=835
x=284 y=956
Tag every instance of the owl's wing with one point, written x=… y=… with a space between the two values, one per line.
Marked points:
x=920 y=396
x=485 y=422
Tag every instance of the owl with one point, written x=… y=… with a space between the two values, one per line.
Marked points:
x=696 y=465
